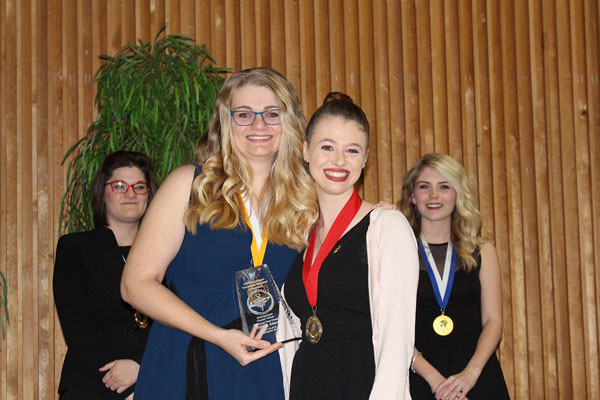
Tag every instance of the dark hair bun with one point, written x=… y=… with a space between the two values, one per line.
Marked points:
x=339 y=96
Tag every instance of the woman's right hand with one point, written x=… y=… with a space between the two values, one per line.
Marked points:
x=235 y=343
x=120 y=374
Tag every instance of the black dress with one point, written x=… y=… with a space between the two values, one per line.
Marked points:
x=341 y=365
x=99 y=327
x=451 y=354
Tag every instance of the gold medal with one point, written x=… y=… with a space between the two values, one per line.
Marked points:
x=140 y=319
x=443 y=325
x=314 y=328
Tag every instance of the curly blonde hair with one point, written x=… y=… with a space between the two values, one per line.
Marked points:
x=466 y=219
x=288 y=201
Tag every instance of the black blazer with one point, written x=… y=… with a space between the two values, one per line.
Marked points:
x=98 y=325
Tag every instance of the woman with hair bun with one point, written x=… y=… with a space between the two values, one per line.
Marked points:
x=459 y=303
x=354 y=288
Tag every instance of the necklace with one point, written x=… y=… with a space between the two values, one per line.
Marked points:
x=140 y=319
x=310 y=268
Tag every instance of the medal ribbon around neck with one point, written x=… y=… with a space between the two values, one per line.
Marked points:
x=257 y=255
x=428 y=261
x=310 y=273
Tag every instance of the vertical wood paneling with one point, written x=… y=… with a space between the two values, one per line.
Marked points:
x=24 y=197
x=55 y=143
x=3 y=178
x=500 y=220
x=381 y=128
x=561 y=309
x=187 y=17
x=592 y=35
x=367 y=93
x=438 y=78
x=467 y=89
x=233 y=27
x=263 y=33
x=397 y=125
x=248 y=32
x=453 y=79
x=321 y=50
x=424 y=71
x=13 y=275
x=550 y=382
x=510 y=88
x=293 y=46
x=515 y=233
x=277 y=22
x=411 y=86
x=43 y=217
x=308 y=72
x=584 y=210
x=528 y=198
x=482 y=117
x=337 y=53
x=567 y=145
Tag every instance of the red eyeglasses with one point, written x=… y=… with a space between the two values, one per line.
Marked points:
x=121 y=187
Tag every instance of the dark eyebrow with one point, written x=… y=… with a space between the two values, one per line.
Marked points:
x=333 y=141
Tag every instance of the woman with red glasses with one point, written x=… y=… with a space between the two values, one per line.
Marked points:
x=105 y=337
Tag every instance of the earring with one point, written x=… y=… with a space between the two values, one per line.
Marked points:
x=305 y=159
x=365 y=163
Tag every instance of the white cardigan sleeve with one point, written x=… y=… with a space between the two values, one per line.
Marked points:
x=287 y=330
x=393 y=280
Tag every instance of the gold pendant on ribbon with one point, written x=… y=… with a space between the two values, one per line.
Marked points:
x=443 y=325
x=314 y=329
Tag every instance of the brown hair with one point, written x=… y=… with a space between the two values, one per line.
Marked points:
x=337 y=104
x=113 y=161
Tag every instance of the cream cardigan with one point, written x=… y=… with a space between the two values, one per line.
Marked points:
x=393 y=280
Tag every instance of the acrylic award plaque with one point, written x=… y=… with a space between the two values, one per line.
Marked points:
x=261 y=304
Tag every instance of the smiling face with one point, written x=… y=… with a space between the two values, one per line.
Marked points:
x=434 y=197
x=336 y=154
x=128 y=207
x=258 y=141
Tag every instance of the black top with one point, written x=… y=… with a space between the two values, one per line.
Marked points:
x=97 y=324
x=451 y=354
x=342 y=364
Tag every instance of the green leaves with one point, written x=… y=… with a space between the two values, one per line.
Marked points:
x=152 y=97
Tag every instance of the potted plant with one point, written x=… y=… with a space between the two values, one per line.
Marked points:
x=155 y=98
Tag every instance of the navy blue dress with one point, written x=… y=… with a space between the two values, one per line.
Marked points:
x=202 y=275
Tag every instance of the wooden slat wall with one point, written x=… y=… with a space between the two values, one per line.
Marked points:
x=510 y=88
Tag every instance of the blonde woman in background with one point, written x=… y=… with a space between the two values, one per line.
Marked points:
x=459 y=301
x=195 y=237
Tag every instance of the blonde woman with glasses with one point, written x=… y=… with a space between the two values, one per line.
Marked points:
x=249 y=201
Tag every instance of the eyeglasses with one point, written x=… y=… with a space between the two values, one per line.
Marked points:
x=120 y=187
x=247 y=117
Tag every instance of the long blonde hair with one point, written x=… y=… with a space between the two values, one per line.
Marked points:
x=288 y=202
x=466 y=219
